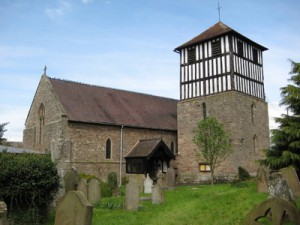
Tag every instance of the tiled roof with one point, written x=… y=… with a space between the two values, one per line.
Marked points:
x=95 y=104
x=146 y=148
x=214 y=31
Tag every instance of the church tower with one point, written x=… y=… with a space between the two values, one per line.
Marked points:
x=221 y=76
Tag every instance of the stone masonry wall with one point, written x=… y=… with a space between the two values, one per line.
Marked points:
x=245 y=118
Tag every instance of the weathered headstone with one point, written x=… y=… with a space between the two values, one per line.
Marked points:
x=71 y=180
x=93 y=191
x=279 y=188
x=73 y=209
x=170 y=178
x=289 y=173
x=3 y=211
x=158 y=194
x=83 y=187
x=148 y=184
x=262 y=179
x=132 y=195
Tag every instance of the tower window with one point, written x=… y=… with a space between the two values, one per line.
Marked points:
x=204 y=110
x=240 y=48
x=108 y=149
x=41 y=122
x=255 y=55
x=216 y=47
x=191 y=55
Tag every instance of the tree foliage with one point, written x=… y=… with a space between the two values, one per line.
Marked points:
x=213 y=142
x=28 y=184
x=285 y=150
x=2 y=131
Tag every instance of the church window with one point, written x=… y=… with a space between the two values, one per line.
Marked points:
x=41 y=122
x=108 y=149
x=216 y=47
x=240 y=48
x=253 y=112
x=204 y=110
x=255 y=55
x=191 y=55
x=204 y=167
x=255 y=143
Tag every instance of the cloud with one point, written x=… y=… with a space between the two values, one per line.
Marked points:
x=62 y=9
x=274 y=111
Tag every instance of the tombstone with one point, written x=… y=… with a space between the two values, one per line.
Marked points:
x=83 y=187
x=279 y=188
x=262 y=180
x=73 y=209
x=94 y=191
x=170 y=178
x=71 y=180
x=158 y=194
x=289 y=173
x=132 y=195
x=3 y=212
x=148 y=184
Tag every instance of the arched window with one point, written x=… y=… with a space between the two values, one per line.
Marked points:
x=41 y=122
x=108 y=149
x=253 y=112
x=255 y=143
x=204 y=110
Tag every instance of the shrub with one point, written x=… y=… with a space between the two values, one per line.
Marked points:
x=112 y=182
x=105 y=190
x=88 y=177
x=29 y=183
x=243 y=173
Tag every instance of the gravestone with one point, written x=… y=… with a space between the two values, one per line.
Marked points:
x=148 y=184
x=279 y=188
x=93 y=191
x=158 y=194
x=71 y=180
x=289 y=173
x=3 y=212
x=132 y=199
x=83 y=186
x=73 y=209
x=262 y=179
x=170 y=178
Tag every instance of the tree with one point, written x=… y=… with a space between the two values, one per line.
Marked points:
x=285 y=149
x=213 y=142
x=2 y=131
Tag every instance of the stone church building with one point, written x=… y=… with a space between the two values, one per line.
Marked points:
x=95 y=128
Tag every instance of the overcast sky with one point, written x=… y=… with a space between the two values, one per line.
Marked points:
x=128 y=44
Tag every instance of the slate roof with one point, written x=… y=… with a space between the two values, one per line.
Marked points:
x=214 y=31
x=146 y=148
x=17 y=150
x=95 y=104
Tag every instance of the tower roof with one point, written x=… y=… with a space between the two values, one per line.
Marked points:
x=214 y=31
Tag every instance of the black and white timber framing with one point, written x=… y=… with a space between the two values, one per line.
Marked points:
x=220 y=60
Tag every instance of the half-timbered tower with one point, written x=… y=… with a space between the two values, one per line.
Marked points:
x=221 y=75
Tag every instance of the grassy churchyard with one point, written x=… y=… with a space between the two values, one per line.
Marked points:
x=190 y=205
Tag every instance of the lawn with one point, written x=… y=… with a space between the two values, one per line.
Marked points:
x=187 y=205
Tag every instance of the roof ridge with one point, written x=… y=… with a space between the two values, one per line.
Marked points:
x=110 y=88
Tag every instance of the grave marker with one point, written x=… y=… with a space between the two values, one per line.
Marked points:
x=132 y=195
x=94 y=191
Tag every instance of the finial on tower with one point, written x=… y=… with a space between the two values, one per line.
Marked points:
x=219 y=10
x=45 y=70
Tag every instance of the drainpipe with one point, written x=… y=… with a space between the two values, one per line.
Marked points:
x=121 y=155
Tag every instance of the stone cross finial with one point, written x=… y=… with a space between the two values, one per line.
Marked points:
x=219 y=10
x=45 y=70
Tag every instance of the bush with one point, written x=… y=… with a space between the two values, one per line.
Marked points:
x=88 y=177
x=105 y=190
x=243 y=174
x=28 y=185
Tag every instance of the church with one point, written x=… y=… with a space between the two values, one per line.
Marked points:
x=99 y=130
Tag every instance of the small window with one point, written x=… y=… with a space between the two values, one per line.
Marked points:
x=255 y=55
x=204 y=167
x=240 y=48
x=41 y=122
x=108 y=149
x=191 y=55
x=255 y=143
x=204 y=110
x=253 y=113
x=216 y=47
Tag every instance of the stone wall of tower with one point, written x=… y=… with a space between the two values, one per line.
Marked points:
x=245 y=118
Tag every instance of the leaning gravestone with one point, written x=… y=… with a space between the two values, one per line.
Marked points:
x=170 y=178
x=93 y=191
x=289 y=173
x=73 y=209
x=3 y=211
x=158 y=194
x=83 y=186
x=262 y=179
x=132 y=200
x=148 y=184
x=71 y=180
